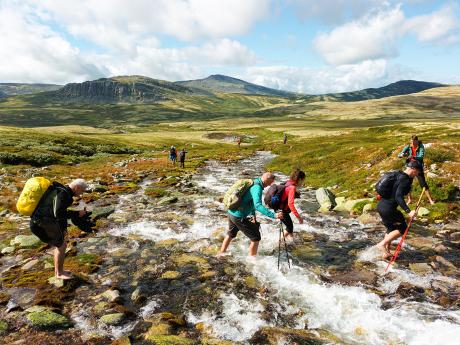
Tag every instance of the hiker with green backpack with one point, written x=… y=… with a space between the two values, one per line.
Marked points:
x=47 y=205
x=242 y=200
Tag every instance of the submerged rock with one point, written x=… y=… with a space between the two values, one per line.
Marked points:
x=354 y=277
x=421 y=268
x=170 y=340
x=275 y=336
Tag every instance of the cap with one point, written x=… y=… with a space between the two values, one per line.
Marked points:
x=415 y=165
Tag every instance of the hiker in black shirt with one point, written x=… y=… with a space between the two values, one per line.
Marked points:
x=392 y=218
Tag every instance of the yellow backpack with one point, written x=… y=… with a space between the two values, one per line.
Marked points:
x=30 y=196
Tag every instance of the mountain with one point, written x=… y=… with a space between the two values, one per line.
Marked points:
x=122 y=89
x=224 y=84
x=14 y=89
x=402 y=87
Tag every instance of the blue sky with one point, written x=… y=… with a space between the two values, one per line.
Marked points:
x=306 y=46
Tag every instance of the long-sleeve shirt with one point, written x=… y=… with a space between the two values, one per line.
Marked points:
x=414 y=152
x=401 y=188
x=252 y=201
x=289 y=196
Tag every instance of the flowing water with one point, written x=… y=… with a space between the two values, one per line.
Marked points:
x=304 y=297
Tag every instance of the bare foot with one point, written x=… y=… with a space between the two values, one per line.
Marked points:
x=432 y=202
x=385 y=252
x=64 y=275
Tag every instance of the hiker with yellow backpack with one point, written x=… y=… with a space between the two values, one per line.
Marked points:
x=242 y=200
x=47 y=205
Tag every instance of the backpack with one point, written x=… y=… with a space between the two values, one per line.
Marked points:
x=234 y=195
x=33 y=191
x=384 y=187
x=273 y=196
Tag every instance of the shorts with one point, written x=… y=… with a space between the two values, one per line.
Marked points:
x=287 y=221
x=48 y=231
x=250 y=229
x=392 y=218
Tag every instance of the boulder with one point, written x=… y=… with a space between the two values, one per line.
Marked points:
x=367 y=208
x=29 y=264
x=8 y=250
x=23 y=297
x=111 y=295
x=368 y=218
x=354 y=277
x=102 y=212
x=170 y=340
x=455 y=236
x=170 y=275
x=112 y=319
x=48 y=320
x=423 y=212
x=121 y=341
x=275 y=336
x=26 y=241
x=168 y=200
x=423 y=243
x=326 y=199
x=56 y=282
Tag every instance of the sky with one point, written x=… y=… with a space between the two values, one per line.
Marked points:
x=306 y=46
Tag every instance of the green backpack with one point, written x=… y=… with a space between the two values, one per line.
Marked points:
x=234 y=195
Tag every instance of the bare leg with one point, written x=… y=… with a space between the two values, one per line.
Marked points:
x=225 y=244
x=253 y=247
x=288 y=234
x=428 y=194
x=384 y=245
x=59 y=256
x=409 y=198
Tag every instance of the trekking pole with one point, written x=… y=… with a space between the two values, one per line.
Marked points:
x=285 y=245
x=279 y=246
x=398 y=248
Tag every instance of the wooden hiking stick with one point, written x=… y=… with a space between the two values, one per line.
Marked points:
x=398 y=248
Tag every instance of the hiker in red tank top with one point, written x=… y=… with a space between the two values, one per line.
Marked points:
x=287 y=201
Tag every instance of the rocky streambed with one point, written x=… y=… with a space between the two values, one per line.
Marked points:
x=150 y=275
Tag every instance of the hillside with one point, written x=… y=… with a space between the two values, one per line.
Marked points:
x=402 y=87
x=122 y=89
x=218 y=83
x=14 y=89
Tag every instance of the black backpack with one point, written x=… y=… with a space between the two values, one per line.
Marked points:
x=273 y=196
x=384 y=187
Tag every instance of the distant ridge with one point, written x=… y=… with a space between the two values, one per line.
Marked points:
x=218 y=83
x=14 y=89
x=402 y=87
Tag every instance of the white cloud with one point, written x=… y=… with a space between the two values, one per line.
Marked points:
x=439 y=27
x=31 y=52
x=371 y=73
x=377 y=34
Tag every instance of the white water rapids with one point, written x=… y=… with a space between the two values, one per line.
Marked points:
x=353 y=314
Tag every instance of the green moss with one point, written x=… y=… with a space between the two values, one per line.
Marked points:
x=155 y=192
x=3 y=327
x=83 y=263
x=48 y=320
x=358 y=207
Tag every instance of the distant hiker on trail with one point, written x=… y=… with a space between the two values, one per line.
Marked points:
x=416 y=151
x=182 y=157
x=287 y=201
x=49 y=220
x=173 y=155
x=392 y=188
x=238 y=141
x=285 y=139
x=242 y=217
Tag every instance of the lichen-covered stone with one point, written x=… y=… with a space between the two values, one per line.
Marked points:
x=8 y=250
x=170 y=275
x=26 y=241
x=112 y=319
x=47 y=319
x=170 y=340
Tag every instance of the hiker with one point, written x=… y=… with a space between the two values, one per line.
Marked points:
x=49 y=220
x=392 y=218
x=416 y=151
x=287 y=202
x=285 y=139
x=182 y=157
x=173 y=155
x=244 y=219
x=238 y=141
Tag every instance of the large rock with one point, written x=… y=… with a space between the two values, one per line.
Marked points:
x=354 y=277
x=102 y=212
x=8 y=250
x=423 y=243
x=23 y=297
x=369 y=218
x=348 y=205
x=275 y=336
x=455 y=236
x=111 y=295
x=48 y=320
x=171 y=340
x=168 y=200
x=421 y=268
x=26 y=241
x=326 y=199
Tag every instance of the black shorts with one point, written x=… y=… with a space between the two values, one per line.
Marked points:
x=288 y=222
x=421 y=180
x=250 y=229
x=392 y=218
x=48 y=231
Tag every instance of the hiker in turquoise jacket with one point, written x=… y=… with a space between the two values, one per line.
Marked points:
x=244 y=217
x=416 y=151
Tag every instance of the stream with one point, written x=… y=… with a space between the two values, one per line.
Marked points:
x=306 y=296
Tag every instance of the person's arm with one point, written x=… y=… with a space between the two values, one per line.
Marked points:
x=404 y=151
x=291 y=197
x=401 y=191
x=60 y=205
x=256 y=193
